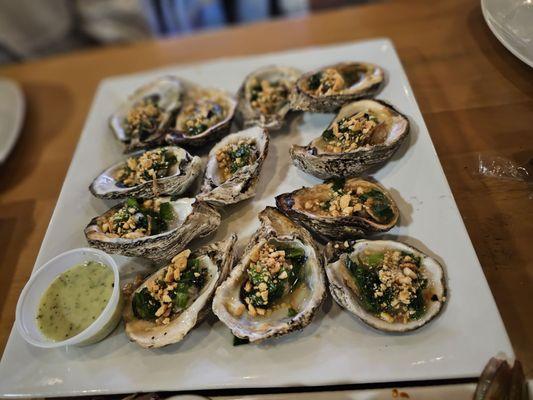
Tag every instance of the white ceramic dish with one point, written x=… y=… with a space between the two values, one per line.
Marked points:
x=511 y=21
x=30 y=297
x=336 y=348
x=12 y=109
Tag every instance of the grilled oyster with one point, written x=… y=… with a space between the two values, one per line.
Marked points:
x=389 y=285
x=263 y=98
x=148 y=173
x=151 y=228
x=364 y=133
x=142 y=120
x=329 y=88
x=206 y=115
x=172 y=301
x=341 y=208
x=278 y=284
x=234 y=166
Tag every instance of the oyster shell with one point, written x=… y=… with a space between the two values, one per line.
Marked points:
x=378 y=131
x=417 y=302
x=328 y=88
x=234 y=166
x=341 y=209
x=177 y=178
x=153 y=104
x=206 y=115
x=295 y=304
x=188 y=220
x=263 y=98
x=214 y=262
x=501 y=380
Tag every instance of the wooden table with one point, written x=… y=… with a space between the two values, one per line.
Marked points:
x=474 y=95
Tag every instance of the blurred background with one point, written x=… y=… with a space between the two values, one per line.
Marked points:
x=30 y=29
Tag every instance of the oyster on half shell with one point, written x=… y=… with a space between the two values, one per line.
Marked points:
x=341 y=208
x=151 y=228
x=389 y=285
x=148 y=173
x=176 y=298
x=363 y=134
x=263 y=98
x=328 y=88
x=205 y=116
x=233 y=167
x=277 y=285
x=141 y=121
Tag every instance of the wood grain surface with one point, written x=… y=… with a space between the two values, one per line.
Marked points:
x=475 y=97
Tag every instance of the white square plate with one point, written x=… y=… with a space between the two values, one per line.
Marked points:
x=336 y=348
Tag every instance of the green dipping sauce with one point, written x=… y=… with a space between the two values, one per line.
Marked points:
x=74 y=300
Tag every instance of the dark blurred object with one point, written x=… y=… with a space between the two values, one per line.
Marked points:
x=24 y=32
x=170 y=17
x=31 y=29
x=500 y=381
x=316 y=5
x=142 y=396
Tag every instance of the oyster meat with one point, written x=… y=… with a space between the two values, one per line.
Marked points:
x=389 y=285
x=278 y=284
x=206 y=115
x=364 y=133
x=234 y=166
x=148 y=173
x=175 y=299
x=142 y=120
x=341 y=208
x=263 y=98
x=152 y=228
x=329 y=88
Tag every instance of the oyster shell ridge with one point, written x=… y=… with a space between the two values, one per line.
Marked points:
x=223 y=253
x=339 y=227
x=273 y=225
x=347 y=299
x=346 y=165
x=202 y=221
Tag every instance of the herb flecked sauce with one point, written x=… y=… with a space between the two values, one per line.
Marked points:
x=74 y=300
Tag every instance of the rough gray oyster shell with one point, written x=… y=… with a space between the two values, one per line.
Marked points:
x=242 y=184
x=178 y=180
x=218 y=258
x=275 y=228
x=193 y=219
x=357 y=80
x=269 y=119
x=168 y=91
x=195 y=95
x=392 y=129
x=346 y=292
x=500 y=380
x=371 y=219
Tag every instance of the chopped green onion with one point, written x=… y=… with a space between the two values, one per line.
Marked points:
x=166 y=211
